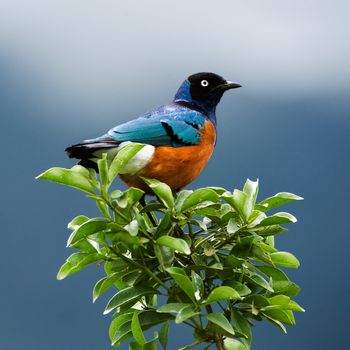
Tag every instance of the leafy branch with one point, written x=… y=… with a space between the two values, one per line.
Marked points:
x=208 y=253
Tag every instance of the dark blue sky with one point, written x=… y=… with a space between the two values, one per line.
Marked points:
x=53 y=93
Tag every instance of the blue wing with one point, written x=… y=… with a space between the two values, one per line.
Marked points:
x=168 y=125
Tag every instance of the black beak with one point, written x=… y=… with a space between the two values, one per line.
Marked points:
x=227 y=86
x=230 y=85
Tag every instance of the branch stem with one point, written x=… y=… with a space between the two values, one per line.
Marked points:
x=219 y=341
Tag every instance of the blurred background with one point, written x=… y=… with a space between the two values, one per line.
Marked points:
x=71 y=70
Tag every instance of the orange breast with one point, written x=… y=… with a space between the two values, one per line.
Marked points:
x=177 y=166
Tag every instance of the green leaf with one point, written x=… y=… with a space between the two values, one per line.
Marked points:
x=198 y=284
x=162 y=191
x=222 y=293
x=279 y=300
x=251 y=189
x=151 y=318
x=73 y=177
x=183 y=281
x=136 y=329
x=130 y=197
x=117 y=322
x=172 y=307
x=104 y=209
x=233 y=344
x=233 y=261
x=93 y=177
x=256 y=217
x=153 y=207
x=257 y=300
x=279 y=199
x=283 y=302
x=116 y=194
x=164 y=255
x=76 y=262
x=280 y=282
x=262 y=255
x=258 y=280
x=132 y=228
x=218 y=190
x=270 y=230
x=185 y=313
x=273 y=272
x=147 y=320
x=285 y=316
x=181 y=196
x=177 y=244
x=136 y=346
x=295 y=306
x=128 y=295
x=164 y=334
x=197 y=197
x=241 y=324
x=285 y=259
x=149 y=345
x=103 y=285
x=113 y=227
x=241 y=288
x=277 y=219
x=103 y=171
x=88 y=228
x=165 y=226
x=289 y=288
x=221 y=321
x=232 y=226
x=76 y=222
x=127 y=279
x=240 y=202
x=130 y=241
x=122 y=158
x=82 y=171
x=277 y=323
x=270 y=240
x=117 y=265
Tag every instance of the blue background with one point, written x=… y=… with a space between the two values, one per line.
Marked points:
x=70 y=70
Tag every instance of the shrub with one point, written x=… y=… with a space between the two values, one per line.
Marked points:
x=205 y=258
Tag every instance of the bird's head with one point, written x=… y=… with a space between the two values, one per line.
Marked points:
x=204 y=90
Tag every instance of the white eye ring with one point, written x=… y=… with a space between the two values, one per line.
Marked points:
x=204 y=83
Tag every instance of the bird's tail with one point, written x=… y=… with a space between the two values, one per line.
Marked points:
x=89 y=151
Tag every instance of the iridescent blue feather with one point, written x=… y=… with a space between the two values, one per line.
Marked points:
x=168 y=125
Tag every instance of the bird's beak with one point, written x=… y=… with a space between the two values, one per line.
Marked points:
x=227 y=86
x=230 y=85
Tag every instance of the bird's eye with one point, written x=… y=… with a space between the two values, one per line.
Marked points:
x=204 y=83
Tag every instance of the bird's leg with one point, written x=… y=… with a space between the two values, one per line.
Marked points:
x=143 y=200
x=149 y=214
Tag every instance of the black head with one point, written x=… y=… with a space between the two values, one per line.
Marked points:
x=204 y=89
x=207 y=85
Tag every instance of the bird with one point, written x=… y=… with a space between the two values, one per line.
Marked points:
x=179 y=136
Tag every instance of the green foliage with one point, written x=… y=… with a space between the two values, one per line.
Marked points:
x=205 y=258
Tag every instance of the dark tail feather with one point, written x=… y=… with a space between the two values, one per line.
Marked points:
x=89 y=164
x=85 y=150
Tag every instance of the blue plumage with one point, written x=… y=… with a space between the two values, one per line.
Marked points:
x=168 y=125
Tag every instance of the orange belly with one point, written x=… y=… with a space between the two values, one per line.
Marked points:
x=176 y=166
